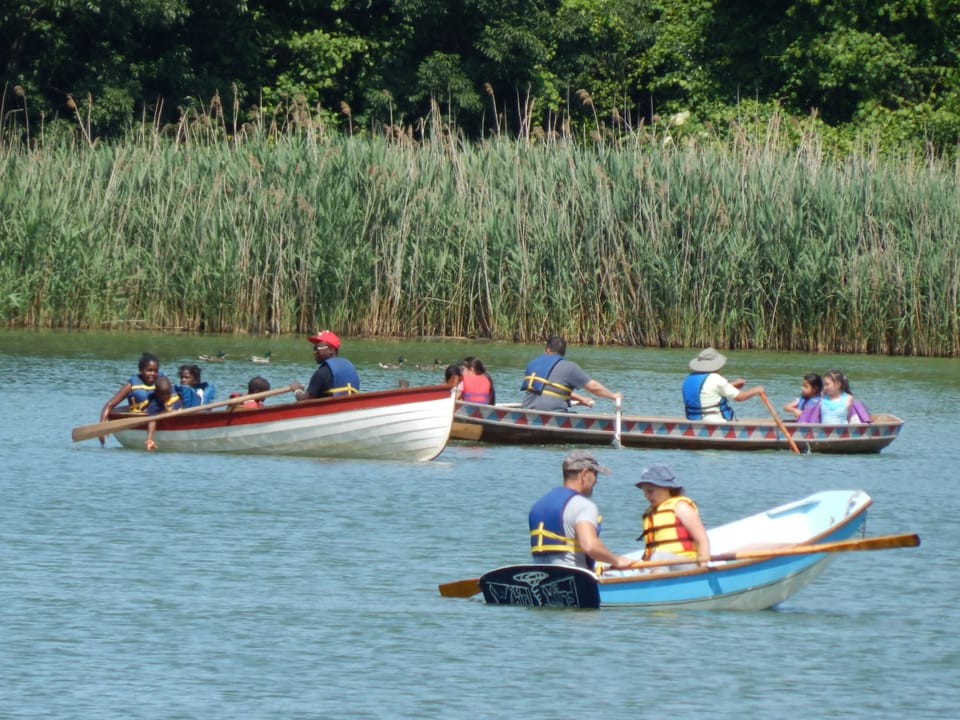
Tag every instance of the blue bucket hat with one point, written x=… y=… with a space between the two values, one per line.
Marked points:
x=659 y=475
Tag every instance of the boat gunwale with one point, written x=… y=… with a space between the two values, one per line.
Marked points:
x=474 y=422
x=294 y=410
x=724 y=565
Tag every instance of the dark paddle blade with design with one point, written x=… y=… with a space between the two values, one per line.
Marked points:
x=541 y=586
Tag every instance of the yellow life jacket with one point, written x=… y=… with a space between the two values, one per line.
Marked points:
x=663 y=531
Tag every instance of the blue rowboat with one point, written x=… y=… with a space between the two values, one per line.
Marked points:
x=512 y=425
x=758 y=562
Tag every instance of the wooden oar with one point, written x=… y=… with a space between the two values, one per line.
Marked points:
x=618 y=423
x=471 y=586
x=880 y=542
x=779 y=421
x=85 y=432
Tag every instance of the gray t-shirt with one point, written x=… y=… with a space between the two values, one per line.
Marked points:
x=577 y=509
x=565 y=372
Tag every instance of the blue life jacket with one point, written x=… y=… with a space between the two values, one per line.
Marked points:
x=691 y=398
x=546 y=525
x=536 y=374
x=345 y=377
x=188 y=395
x=155 y=406
x=208 y=391
x=139 y=394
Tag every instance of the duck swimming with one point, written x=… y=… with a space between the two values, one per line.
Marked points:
x=393 y=366
x=260 y=359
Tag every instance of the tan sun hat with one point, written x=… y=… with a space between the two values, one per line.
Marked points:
x=583 y=460
x=709 y=360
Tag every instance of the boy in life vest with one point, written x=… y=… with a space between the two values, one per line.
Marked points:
x=163 y=399
x=671 y=523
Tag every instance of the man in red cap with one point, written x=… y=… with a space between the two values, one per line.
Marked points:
x=334 y=375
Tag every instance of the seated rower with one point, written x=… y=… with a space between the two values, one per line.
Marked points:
x=136 y=391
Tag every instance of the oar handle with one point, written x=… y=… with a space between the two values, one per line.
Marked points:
x=617 y=422
x=85 y=432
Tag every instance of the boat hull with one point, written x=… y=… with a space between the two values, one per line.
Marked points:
x=408 y=424
x=509 y=425
x=735 y=585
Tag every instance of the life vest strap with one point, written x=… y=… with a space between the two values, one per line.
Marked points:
x=565 y=543
x=561 y=391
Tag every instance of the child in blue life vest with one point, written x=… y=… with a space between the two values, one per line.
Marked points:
x=136 y=391
x=811 y=387
x=162 y=399
x=192 y=389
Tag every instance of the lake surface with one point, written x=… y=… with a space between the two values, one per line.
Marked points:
x=140 y=585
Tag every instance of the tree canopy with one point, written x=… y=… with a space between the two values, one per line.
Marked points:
x=104 y=66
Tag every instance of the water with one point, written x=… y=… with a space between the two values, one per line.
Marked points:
x=181 y=586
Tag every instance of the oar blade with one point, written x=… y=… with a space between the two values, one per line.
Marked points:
x=889 y=542
x=460 y=588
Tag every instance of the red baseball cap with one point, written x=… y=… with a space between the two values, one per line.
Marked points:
x=327 y=338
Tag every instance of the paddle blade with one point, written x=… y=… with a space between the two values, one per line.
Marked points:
x=888 y=542
x=460 y=588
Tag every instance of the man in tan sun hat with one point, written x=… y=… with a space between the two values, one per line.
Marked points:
x=707 y=393
x=565 y=523
x=334 y=375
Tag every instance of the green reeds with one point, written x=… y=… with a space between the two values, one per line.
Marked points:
x=745 y=243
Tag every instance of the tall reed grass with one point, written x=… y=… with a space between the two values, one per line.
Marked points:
x=753 y=242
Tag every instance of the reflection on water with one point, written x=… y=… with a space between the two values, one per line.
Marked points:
x=162 y=586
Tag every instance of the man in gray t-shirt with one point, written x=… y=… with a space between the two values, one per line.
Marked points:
x=550 y=380
x=565 y=523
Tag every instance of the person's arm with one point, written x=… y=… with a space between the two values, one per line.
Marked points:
x=118 y=397
x=690 y=518
x=791 y=407
x=747 y=394
x=599 y=390
x=320 y=381
x=298 y=392
x=593 y=546
x=151 y=428
x=111 y=404
x=582 y=399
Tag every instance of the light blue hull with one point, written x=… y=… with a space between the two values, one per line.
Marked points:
x=749 y=585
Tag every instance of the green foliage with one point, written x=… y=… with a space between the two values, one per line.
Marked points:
x=441 y=76
x=529 y=68
x=316 y=60
x=763 y=240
